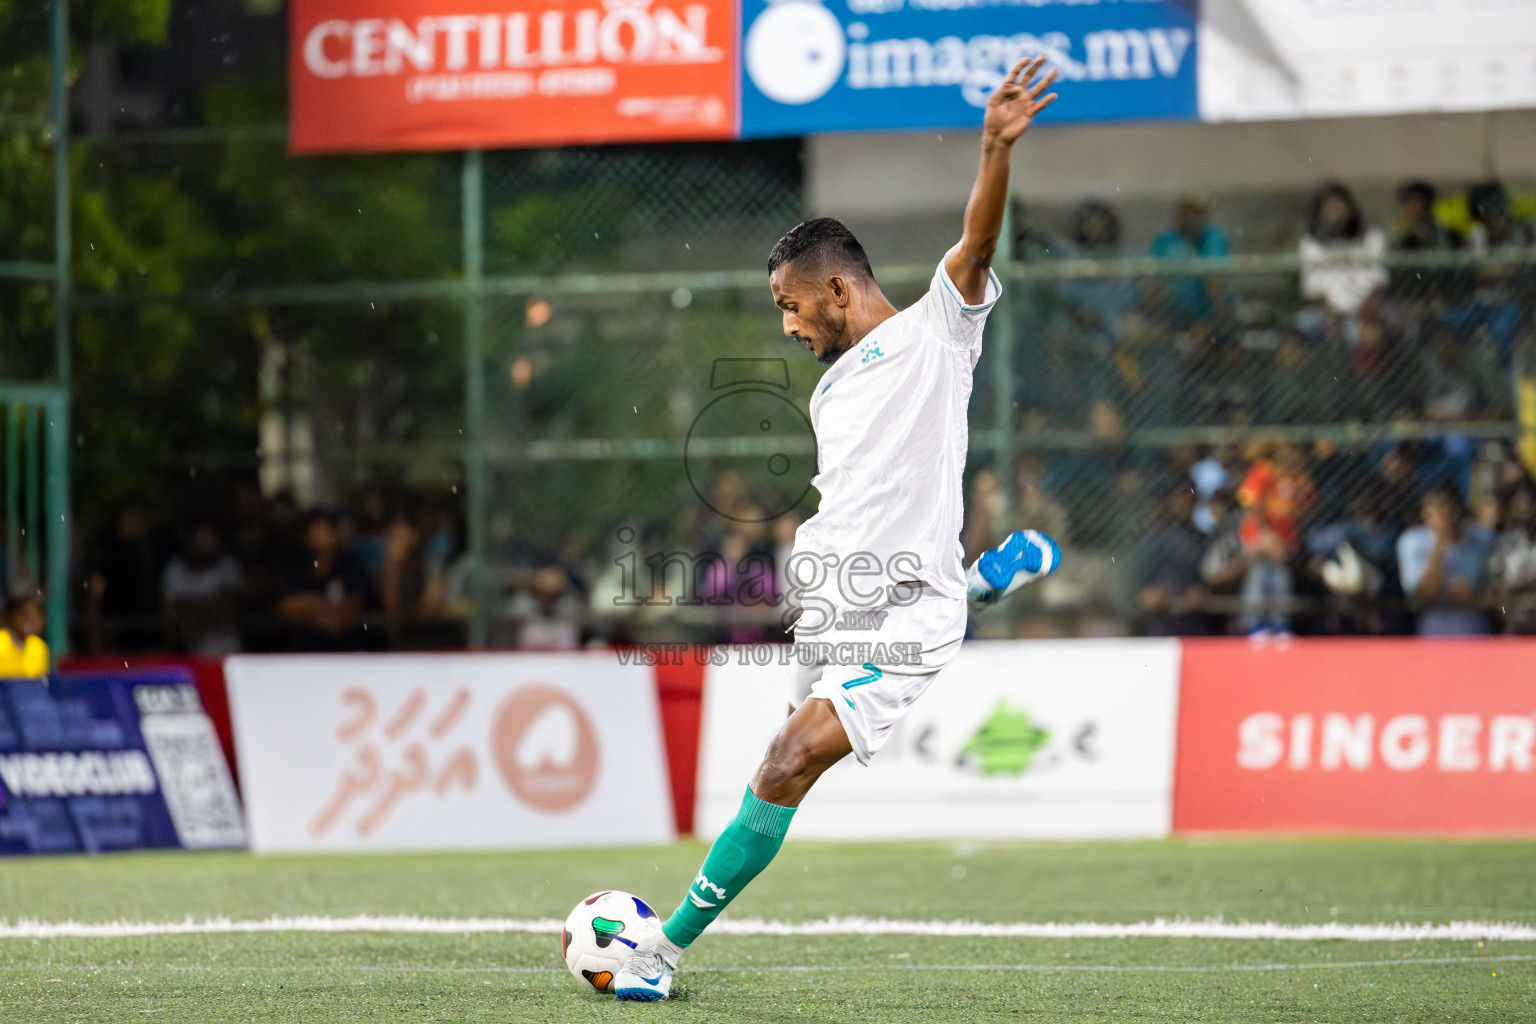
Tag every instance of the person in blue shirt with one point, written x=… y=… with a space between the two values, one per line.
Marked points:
x=1185 y=300
x=1442 y=564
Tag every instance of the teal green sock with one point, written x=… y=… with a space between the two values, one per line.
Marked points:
x=747 y=845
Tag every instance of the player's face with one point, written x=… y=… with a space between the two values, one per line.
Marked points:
x=812 y=316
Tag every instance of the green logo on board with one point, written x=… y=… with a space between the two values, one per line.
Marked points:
x=1006 y=742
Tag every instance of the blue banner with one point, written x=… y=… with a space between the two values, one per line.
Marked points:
x=849 y=65
x=96 y=763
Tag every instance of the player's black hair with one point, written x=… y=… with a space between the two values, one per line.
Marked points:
x=827 y=242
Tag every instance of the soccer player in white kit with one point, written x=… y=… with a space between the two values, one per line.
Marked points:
x=891 y=437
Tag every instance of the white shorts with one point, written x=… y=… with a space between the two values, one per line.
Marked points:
x=873 y=670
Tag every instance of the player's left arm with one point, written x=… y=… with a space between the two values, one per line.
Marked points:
x=1010 y=110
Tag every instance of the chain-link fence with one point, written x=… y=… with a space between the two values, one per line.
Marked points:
x=1221 y=450
x=583 y=415
x=546 y=396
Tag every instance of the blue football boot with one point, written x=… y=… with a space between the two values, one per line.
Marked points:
x=1023 y=558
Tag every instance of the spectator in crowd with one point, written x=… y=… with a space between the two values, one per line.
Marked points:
x=1442 y=564
x=266 y=546
x=412 y=587
x=547 y=613
x=23 y=653
x=325 y=592
x=1092 y=484
x=1462 y=381
x=1445 y=463
x=741 y=584
x=1210 y=476
x=369 y=523
x=1185 y=300
x=1097 y=303
x=1305 y=383
x=1278 y=495
x=123 y=586
x=984 y=510
x=1493 y=226
x=729 y=503
x=1034 y=509
x=617 y=585
x=1394 y=485
x=1496 y=472
x=1225 y=561
x=201 y=589
x=1414 y=225
x=1385 y=379
x=1340 y=256
x=1165 y=570
x=1512 y=562
x=1355 y=558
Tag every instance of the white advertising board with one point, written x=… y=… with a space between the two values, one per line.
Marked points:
x=1015 y=739
x=448 y=751
x=1266 y=59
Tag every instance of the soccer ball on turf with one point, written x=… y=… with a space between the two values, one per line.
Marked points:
x=601 y=933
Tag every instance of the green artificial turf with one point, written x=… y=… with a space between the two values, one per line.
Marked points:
x=513 y=978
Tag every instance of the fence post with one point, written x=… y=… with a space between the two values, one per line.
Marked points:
x=31 y=456
x=15 y=413
x=57 y=574
x=474 y=393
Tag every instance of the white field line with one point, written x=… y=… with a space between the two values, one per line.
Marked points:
x=1155 y=929
x=558 y=972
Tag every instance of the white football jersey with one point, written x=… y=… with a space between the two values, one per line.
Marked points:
x=891 y=436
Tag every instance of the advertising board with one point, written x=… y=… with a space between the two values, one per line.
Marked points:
x=1370 y=735
x=94 y=763
x=453 y=74
x=1015 y=739
x=854 y=65
x=448 y=751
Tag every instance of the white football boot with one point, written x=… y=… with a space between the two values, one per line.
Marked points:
x=646 y=975
x=1023 y=558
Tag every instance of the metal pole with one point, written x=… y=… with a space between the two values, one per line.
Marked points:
x=58 y=428
x=14 y=413
x=474 y=394
x=33 y=416
x=1001 y=346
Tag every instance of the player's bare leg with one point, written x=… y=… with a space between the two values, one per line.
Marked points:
x=810 y=741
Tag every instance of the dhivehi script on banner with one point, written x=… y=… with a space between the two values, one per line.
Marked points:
x=448 y=751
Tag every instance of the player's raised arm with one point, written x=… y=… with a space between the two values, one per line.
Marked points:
x=1010 y=110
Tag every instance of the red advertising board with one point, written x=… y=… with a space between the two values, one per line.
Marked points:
x=456 y=74
x=1378 y=735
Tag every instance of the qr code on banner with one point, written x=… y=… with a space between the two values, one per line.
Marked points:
x=194 y=780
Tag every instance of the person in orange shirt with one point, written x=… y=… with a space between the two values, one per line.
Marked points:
x=23 y=654
x=1277 y=495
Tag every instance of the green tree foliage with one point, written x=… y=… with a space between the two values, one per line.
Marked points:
x=167 y=380
x=165 y=392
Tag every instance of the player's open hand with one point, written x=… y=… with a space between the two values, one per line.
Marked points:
x=1016 y=102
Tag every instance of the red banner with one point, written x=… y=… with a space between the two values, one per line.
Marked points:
x=446 y=74
x=1378 y=735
